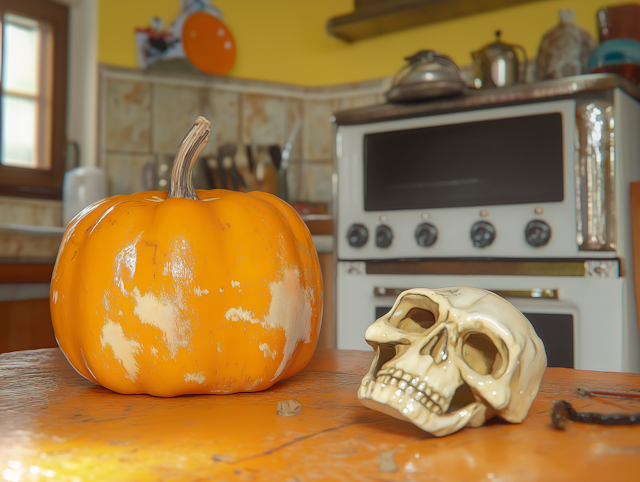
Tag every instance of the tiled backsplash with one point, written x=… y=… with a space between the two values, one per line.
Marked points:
x=33 y=212
x=144 y=116
x=40 y=239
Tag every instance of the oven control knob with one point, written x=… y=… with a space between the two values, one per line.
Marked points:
x=426 y=234
x=537 y=233
x=384 y=236
x=357 y=235
x=482 y=234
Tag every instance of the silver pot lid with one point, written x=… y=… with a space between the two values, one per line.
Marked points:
x=428 y=74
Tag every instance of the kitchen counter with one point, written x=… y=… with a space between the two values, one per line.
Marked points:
x=26 y=243
x=56 y=425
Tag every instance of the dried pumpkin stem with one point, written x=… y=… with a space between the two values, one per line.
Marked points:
x=186 y=157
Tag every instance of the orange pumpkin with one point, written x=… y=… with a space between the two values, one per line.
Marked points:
x=187 y=292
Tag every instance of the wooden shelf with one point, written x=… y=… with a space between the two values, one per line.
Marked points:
x=377 y=18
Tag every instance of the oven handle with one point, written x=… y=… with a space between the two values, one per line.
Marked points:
x=379 y=291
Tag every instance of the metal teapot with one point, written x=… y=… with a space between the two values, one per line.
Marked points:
x=497 y=64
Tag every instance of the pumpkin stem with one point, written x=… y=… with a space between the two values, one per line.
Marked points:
x=186 y=157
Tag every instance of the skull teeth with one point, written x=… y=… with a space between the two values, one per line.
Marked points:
x=423 y=394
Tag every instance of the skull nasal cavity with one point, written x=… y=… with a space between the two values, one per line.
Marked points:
x=437 y=347
x=417 y=321
x=481 y=354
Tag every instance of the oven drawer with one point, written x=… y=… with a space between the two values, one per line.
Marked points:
x=582 y=327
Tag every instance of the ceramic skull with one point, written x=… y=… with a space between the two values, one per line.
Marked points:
x=451 y=357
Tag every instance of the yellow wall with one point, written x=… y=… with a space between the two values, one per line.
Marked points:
x=286 y=40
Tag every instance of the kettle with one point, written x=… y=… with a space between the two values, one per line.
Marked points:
x=497 y=65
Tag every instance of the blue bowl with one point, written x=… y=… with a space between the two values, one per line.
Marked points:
x=615 y=52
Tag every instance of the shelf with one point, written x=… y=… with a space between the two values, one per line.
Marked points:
x=370 y=20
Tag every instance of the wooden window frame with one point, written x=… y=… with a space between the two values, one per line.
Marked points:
x=41 y=183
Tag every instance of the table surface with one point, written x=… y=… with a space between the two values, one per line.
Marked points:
x=55 y=425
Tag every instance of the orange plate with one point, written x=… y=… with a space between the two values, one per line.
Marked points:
x=208 y=44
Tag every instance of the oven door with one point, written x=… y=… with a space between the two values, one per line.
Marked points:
x=578 y=323
x=506 y=166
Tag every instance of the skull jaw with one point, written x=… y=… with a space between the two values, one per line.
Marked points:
x=384 y=399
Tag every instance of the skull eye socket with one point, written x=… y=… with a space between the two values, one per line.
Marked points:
x=481 y=354
x=417 y=320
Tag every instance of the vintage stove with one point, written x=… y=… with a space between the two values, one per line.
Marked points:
x=523 y=191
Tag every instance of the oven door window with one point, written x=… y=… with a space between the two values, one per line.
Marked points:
x=555 y=331
x=500 y=161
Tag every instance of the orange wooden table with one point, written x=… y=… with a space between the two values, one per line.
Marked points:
x=55 y=425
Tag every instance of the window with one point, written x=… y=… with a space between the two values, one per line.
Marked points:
x=26 y=93
x=33 y=68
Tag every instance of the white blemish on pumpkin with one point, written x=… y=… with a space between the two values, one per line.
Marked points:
x=219 y=347
x=105 y=301
x=266 y=349
x=120 y=285
x=282 y=241
x=153 y=350
x=291 y=311
x=199 y=291
x=235 y=284
x=197 y=377
x=255 y=384
x=154 y=199
x=221 y=290
x=120 y=313
x=211 y=199
x=180 y=262
x=126 y=258
x=238 y=314
x=55 y=297
x=124 y=349
x=165 y=314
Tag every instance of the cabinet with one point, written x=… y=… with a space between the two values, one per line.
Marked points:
x=26 y=325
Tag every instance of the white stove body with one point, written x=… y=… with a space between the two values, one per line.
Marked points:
x=602 y=307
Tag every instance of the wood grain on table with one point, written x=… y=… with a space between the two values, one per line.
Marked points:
x=56 y=425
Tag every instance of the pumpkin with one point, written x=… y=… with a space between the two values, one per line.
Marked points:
x=187 y=292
